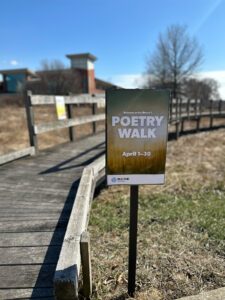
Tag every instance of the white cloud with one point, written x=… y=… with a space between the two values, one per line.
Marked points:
x=128 y=81
x=137 y=80
x=14 y=62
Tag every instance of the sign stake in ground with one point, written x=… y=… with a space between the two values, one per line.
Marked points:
x=133 y=239
x=136 y=139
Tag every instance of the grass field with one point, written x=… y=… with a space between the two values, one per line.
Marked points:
x=181 y=227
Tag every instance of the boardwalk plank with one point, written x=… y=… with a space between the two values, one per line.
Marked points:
x=32 y=225
x=31 y=239
x=29 y=255
x=23 y=293
x=26 y=276
x=36 y=197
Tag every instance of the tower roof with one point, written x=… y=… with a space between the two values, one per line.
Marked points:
x=82 y=55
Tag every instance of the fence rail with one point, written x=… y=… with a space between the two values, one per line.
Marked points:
x=67 y=123
x=17 y=154
x=180 y=111
x=76 y=244
x=193 y=110
x=70 y=122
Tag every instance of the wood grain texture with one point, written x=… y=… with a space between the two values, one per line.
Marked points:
x=67 y=123
x=36 y=198
x=26 y=276
x=68 y=266
x=27 y=293
x=17 y=154
x=86 y=264
x=78 y=99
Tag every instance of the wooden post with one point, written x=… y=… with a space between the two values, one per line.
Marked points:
x=180 y=109
x=177 y=109
x=86 y=264
x=30 y=121
x=211 y=114
x=200 y=107
x=180 y=114
x=94 y=111
x=198 y=123
x=171 y=109
x=133 y=239
x=196 y=107
x=69 y=108
x=182 y=125
x=177 y=130
x=220 y=106
x=188 y=109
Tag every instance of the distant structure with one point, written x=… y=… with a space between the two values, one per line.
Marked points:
x=82 y=65
x=14 y=79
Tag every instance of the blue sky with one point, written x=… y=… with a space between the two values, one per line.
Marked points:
x=121 y=33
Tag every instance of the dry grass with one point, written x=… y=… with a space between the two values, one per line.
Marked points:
x=181 y=247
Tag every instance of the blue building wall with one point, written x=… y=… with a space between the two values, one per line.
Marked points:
x=14 y=82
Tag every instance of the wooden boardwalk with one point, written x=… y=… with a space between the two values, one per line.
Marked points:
x=36 y=196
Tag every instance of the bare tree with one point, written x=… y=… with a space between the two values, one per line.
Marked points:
x=205 y=89
x=177 y=56
x=55 y=79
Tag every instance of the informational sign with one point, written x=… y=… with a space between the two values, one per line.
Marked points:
x=60 y=107
x=136 y=136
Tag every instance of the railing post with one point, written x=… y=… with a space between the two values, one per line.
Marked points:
x=94 y=111
x=220 y=106
x=69 y=108
x=180 y=109
x=196 y=107
x=188 y=108
x=30 y=121
x=86 y=264
x=171 y=109
x=211 y=114
x=200 y=107
x=177 y=130
x=182 y=125
x=198 y=123
x=177 y=103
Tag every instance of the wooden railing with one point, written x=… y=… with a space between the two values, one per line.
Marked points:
x=35 y=130
x=16 y=154
x=192 y=110
x=180 y=111
x=76 y=245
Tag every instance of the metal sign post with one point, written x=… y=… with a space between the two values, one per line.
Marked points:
x=133 y=239
x=136 y=139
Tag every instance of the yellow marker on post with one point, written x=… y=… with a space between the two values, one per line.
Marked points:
x=60 y=107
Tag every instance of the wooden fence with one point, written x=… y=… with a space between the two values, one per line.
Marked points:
x=70 y=122
x=76 y=245
x=192 y=110
x=34 y=130
x=180 y=111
